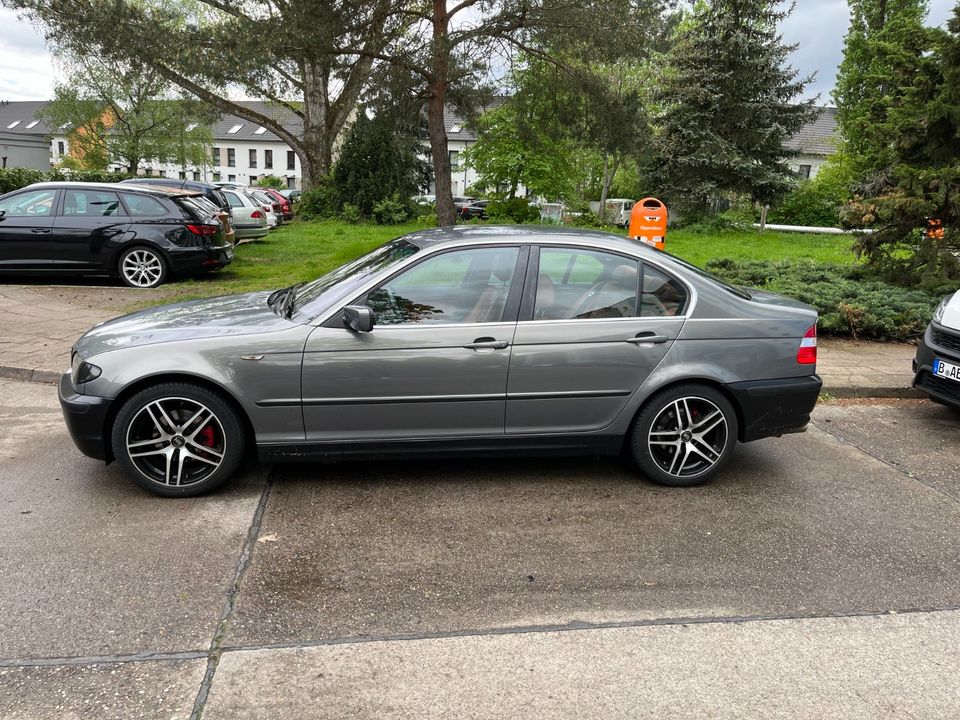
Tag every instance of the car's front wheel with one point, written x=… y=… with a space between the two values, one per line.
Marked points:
x=178 y=439
x=142 y=267
x=684 y=435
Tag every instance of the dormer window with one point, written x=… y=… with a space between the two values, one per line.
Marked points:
x=235 y=129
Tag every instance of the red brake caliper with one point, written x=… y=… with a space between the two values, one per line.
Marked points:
x=206 y=436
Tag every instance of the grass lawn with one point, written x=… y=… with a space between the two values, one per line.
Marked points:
x=302 y=251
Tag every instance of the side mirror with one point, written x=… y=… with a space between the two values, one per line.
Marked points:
x=358 y=318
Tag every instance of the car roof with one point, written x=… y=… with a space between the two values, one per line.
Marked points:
x=527 y=234
x=164 y=190
x=171 y=182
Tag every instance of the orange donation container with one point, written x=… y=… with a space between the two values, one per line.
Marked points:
x=648 y=222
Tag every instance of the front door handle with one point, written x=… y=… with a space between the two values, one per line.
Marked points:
x=487 y=343
x=41 y=231
x=647 y=337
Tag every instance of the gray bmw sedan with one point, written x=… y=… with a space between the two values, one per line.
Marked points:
x=474 y=340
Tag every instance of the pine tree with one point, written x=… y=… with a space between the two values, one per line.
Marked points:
x=914 y=150
x=728 y=101
x=885 y=39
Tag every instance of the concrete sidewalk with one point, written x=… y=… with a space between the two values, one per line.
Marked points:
x=37 y=331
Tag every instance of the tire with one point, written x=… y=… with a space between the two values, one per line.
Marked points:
x=657 y=439
x=163 y=424
x=142 y=267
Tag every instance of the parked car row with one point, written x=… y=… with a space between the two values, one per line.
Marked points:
x=142 y=230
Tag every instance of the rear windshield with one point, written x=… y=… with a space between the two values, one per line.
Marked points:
x=739 y=292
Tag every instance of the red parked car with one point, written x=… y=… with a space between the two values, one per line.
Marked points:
x=285 y=207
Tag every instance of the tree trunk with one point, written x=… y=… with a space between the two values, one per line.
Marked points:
x=316 y=151
x=608 y=172
x=437 y=93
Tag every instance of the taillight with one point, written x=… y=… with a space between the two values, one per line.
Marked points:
x=256 y=214
x=807 y=352
x=202 y=229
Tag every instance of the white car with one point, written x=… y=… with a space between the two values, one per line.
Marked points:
x=249 y=219
x=936 y=366
x=268 y=204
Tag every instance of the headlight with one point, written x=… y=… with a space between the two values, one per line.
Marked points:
x=84 y=371
x=938 y=313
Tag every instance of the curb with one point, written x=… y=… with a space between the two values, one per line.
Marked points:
x=9 y=372
x=890 y=392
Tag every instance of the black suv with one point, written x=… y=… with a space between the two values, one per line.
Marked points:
x=211 y=192
x=141 y=235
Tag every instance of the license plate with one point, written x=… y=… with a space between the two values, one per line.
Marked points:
x=946 y=370
x=229 y=253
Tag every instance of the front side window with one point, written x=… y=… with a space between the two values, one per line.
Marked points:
x=579 y=284
x=91 y=203
x=35 y=203
x=466 y=286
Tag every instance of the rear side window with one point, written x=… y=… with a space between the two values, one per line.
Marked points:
x=580 y=284
x=144 y=206
x=219 y=199
x=662 y=296
x=233 y=199
x=91 y=203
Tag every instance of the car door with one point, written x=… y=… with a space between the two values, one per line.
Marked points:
x=435 y=364
x=88 y=228
x=26 y=227
x=588 y=336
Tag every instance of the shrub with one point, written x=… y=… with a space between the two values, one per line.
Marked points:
x=851 y=301
x=15 y=178
x=350 y=213
x=320 y=201
x=271 y=181
x=391 y=211
x=513 y=210
x=818 y=201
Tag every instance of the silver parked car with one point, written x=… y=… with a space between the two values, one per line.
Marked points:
x=248 y=217
x=481 y=340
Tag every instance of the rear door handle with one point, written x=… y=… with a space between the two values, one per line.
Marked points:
x=487 y=343
x=41 y=231
x=647 y=337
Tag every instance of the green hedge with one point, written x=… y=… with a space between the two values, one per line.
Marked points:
x=15 y=178
x=851 y=302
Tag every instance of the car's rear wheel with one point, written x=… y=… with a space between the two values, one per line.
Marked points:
x=684 y=435
x=142 y=267
x=178 y=439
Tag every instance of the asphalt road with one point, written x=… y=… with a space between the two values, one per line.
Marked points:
x=817 y=577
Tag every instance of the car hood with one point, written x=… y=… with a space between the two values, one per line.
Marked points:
x=228 y=315
x=951 y=313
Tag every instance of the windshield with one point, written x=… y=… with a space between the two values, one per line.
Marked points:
x=739 y=292
x=347 y=277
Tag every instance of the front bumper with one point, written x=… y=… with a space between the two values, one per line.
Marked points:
x=775 y=407
x=943 y=343
x=86 y=418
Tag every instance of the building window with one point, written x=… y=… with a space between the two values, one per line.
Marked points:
x=231 y=178
x=196 y=174
x=454 y=159
x=215 y=155
x=216 y=177
x=149 y=172
x=268 y=159
x=805 y=171
x=291 y=160
x=182 y=175
x=291 y=182
x=163 y=173
x=253 y=158
x=253 y=180
x=60 y=147
x=231 y=157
